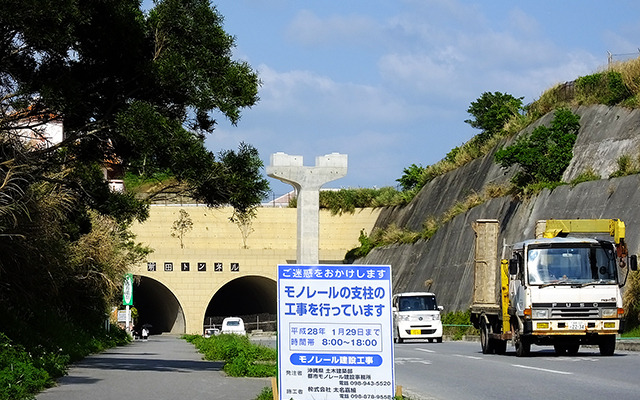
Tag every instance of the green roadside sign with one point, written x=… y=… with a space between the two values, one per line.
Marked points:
x=127 y=290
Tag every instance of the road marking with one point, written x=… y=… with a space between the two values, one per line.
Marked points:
x=425 y=350
x=553 y=371
x=404 y=360
x=471 y=357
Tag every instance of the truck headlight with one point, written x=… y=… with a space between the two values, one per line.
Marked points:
x=609 y=313
x=540 y=314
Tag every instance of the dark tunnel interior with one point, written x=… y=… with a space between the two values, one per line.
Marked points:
x=157 y=307
x=243 y=297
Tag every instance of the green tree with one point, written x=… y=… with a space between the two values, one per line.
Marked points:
x=491 y=112
x=181 y=226
x=139 y=89
x=544 y=155
x=134 y=89
x=410 y=177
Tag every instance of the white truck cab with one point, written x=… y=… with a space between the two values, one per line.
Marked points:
x=416 y=315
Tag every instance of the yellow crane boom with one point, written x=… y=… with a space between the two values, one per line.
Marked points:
x=614 y=227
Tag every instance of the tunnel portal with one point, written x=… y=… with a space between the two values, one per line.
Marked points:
x=253 y=298
x=157 y=306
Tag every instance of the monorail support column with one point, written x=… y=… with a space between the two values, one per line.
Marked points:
x=307 y=182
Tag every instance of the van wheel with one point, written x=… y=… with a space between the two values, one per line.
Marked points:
x=439 y=340
x=397 y=338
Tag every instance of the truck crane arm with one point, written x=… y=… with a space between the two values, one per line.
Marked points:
x=614 y=227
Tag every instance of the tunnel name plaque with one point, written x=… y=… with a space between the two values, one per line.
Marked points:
x=335 y=338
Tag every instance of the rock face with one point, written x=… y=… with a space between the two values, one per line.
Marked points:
x=606 y=133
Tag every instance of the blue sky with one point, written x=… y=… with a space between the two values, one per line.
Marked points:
x=388 y=82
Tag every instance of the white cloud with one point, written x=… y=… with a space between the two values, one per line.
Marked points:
x=308 y=94
x=310 y=30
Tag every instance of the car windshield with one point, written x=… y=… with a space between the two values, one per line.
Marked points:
x=417 y=303
x=578 y=264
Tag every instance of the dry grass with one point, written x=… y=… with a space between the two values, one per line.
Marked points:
x=630 y=71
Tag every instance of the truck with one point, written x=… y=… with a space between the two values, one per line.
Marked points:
x=561 y=289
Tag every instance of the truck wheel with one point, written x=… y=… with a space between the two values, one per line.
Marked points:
x=485 y=341
x=560 y=349
x=523 y=347
x=607 y=345
x=439 y=340
x=573 y=349
x=500 y=346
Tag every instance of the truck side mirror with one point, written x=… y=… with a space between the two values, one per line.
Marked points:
x=513 y=266
x=633 y=262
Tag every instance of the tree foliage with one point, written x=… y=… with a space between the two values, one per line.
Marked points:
x=544 y=155
x=491 y=111
x=134 y=91
x=411 y=177
x=141 y=90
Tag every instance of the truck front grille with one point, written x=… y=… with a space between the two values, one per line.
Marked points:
x=574 y=310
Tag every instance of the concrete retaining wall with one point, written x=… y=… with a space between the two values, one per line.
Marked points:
x=447 y=258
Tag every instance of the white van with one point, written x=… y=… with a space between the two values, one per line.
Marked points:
x=233 y=325
x=416 y=315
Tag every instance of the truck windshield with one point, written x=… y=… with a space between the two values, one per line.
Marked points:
x=417 y=303
x=577 y=264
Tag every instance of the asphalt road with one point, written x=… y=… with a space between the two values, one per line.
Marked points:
x=164 y=367
x=459 y=370
x=167 y=367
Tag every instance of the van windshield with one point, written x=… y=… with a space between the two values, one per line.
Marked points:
x=417 y=303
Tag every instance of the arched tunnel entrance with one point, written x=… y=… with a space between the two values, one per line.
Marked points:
x=253 y=298
x=157 y=306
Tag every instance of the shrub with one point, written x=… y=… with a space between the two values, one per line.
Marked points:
x=625 y=167
x=241 y=357
x=542 y=156
x=585 y=176
x=20 y=376
x=457 y=324
x=602 y=88
x=632 y=300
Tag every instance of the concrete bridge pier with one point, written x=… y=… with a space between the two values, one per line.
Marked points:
x=307 y=181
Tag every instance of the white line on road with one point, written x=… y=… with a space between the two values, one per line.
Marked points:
x=554 y=371
x=471 y=357
x=425 y=350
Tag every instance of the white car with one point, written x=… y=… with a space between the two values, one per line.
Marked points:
x=416 y=315
x=233 y=325
x=211 y=332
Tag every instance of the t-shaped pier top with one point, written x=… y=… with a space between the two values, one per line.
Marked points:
x=307 y=181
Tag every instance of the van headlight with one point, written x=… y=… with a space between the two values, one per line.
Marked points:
x=540 y=313
x=609 y=313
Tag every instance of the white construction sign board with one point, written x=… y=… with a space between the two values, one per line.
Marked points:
x=335 y=337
